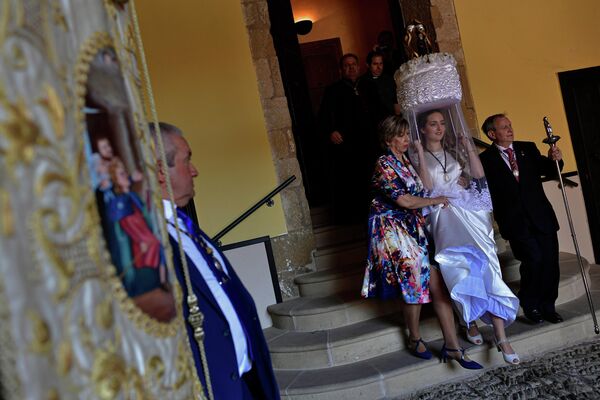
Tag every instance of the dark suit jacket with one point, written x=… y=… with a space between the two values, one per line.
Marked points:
x=520 y=208
x=220 y=351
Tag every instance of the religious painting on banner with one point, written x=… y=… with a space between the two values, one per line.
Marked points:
x=83 y=245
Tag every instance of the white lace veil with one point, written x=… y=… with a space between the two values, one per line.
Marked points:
x=467 y=186
x=431 y=82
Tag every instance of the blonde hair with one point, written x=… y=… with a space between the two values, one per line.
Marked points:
x=390 y=128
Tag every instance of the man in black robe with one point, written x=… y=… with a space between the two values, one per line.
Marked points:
x=347 y=119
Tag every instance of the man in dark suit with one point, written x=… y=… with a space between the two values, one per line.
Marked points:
x=347 y=119
x=524 y=214
x=386 y=87
x=239 y=363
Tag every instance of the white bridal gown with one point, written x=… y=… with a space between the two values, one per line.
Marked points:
x=464 y=245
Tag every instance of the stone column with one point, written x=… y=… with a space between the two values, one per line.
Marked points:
x=444 y=20
x=292 y=251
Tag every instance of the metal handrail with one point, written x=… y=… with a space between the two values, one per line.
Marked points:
x=268 y=200
x=564 y=175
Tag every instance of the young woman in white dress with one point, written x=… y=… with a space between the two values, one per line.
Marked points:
x=462 y=233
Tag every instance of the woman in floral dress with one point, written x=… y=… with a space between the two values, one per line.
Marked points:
x=398 y=264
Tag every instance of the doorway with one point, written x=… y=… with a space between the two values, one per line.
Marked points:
x=581 y=97
x=321 y=66
x=356 y=33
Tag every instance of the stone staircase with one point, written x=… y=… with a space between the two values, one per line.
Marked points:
x=329 y=343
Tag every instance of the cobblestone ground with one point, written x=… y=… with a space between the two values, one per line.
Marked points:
x=571 y=373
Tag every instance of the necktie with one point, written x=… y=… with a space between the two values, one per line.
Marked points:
x=512 y=160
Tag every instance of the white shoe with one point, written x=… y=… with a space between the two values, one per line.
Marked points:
x=509 y=358
x=477 y=339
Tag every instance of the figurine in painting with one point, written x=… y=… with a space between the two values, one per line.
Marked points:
x=135 y=249
x=101 y=161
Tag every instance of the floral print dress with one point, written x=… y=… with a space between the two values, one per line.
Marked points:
x=398 y=263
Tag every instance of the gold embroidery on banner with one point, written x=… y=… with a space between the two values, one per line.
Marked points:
x=110 y=9
x=41 y=339
x=19 y=13
x=108 y=374
x=22 y=132
x=64 y=269
x=111 y=377
x=156 y=368
x=17 y=57
x=104 y=314
x=64 y=358
x=10 y=378
x=130 y=41
x=59 y=16
x=6 y=211
x=85 y=335
x=182 y=366
x=55 y=110
x=4 y=18
x=53 y=394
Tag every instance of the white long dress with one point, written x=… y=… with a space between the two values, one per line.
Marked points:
x=464 y=243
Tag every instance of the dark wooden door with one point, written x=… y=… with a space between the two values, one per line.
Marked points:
x=321 y=65
x=581 y=97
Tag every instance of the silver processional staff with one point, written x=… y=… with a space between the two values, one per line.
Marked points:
x=551 y=140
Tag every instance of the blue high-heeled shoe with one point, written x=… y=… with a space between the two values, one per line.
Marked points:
x=463 y=363
x=425 y=354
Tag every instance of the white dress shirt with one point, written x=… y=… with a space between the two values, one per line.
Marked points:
x=504 y=155
x=235 y=326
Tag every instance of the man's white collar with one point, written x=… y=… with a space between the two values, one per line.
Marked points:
x=510 y=146
x=168 y=209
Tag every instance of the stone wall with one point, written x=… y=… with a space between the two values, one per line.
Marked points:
x=444 y=20
x=293 y=250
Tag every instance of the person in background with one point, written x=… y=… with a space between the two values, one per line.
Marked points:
x=347 y=121
x=391 y=56
x=385 y=84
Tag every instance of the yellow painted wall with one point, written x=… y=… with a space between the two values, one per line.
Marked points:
x=204 y=82
x=514 y=50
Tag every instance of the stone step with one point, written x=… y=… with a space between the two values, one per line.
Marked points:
x=510 y=266
x=331 y=235
x=398 y=373
x=292 y=348
x=344 y=277
x=501 y=244
x=345 y=345
x=330 y=281
x=320 y=216
x=342 y=254
x=306 y=314
x=571 y=284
